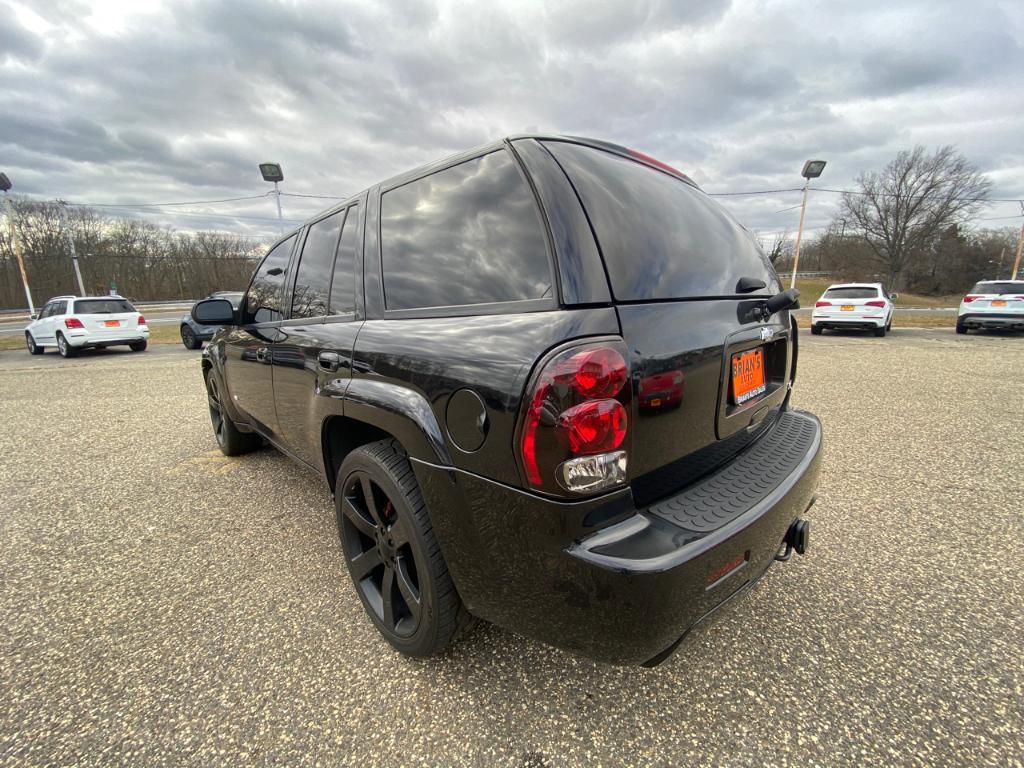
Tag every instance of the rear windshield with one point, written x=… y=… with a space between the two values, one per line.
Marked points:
x=1010 y=286
x=102 y=306
x=660 y=237
x=851 y=293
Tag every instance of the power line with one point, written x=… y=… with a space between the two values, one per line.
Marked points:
x=186 y=202
x=316 y=197
x=142 y=209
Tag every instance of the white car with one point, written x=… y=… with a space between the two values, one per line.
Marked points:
x=854 y=305
x=73 y=323
x=993 y=304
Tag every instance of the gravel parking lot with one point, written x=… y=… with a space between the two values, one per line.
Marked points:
x=163 y=604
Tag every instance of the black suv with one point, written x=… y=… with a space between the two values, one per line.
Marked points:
x=547 y=381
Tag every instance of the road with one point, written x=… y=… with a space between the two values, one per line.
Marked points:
x=165 y=605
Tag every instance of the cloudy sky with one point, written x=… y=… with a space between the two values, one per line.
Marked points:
x=115 y=102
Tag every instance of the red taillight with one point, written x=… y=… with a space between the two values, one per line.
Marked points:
x=575 y=427
x=595 y=426
x=875 y=304
x=142 y=320
x=823 y=303
x=73 y=322
x=969 y=299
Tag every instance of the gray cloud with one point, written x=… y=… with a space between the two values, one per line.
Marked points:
x=181 y=102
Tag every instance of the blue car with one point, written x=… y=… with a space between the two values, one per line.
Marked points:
x=193 y=334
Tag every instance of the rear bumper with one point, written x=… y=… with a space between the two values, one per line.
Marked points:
x=1005 y=320
x=610 y=581
x=85 y=340
x=837 y=321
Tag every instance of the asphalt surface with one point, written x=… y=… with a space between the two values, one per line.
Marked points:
x=163 y=604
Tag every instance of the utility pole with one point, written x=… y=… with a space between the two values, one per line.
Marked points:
x=280 y=218
x=812 y=169
x=799 y=235
x=1020 y=242
x=5 y=185
x=71 y=241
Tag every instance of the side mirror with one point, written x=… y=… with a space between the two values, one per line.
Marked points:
x=894 y=296
x=213 y=312
x=33 y=317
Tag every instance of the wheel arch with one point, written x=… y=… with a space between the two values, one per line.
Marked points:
x=374 y=410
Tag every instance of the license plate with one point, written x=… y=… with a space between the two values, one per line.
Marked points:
x=655 y=402
x=847 y=307
x=747 y=375
x=111 y=323
x=998 y=303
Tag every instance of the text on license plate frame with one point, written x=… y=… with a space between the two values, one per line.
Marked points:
x=748 y=380
x=112 y=323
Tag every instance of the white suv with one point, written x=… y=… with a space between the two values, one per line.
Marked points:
x=71 y=323
x=993 y=304
x=853 y=305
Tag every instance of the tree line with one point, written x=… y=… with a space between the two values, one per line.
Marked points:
x=908 y=227
x=143 y=260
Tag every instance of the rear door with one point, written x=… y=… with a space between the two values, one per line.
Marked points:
x=248 y=346
x=716 y=373
x=313 y=352
x=106 y=318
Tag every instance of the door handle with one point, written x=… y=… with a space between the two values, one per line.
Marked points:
x=261 y=355
x=329 y=361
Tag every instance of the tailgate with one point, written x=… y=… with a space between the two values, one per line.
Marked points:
x=678 y=440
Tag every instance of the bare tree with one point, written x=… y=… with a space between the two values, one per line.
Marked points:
x=904 y=208
x=777 y=247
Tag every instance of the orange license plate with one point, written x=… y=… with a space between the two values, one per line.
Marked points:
x=847 y=307
x=998 y=303
x=111 y=323
x=747 y=375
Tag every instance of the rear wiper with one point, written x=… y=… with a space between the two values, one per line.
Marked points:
x=787 y=299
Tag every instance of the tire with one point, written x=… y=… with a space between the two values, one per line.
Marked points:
x=230 y=440
x=138 y=346
x=880 y=332
x=392 y=554
x=188 y=338
x=65 y=349
x=30 y=343
x=816 y=330
x=961 y=328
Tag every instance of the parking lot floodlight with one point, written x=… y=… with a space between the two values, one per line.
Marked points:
x=272 y=172
x=812 y=169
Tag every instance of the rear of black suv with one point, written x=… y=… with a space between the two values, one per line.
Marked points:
x=637 y=513
x=548 y=383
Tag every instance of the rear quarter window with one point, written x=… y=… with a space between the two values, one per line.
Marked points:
x=468 y=234
x=660 y=237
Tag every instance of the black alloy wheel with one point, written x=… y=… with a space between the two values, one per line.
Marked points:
x=188 y=338
x=381 y=558
x=216 y=409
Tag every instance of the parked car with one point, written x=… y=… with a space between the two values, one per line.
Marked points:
x=994 y=304
x=74 y=323
x=193 y=334
x=458 y=351
x=866 y=306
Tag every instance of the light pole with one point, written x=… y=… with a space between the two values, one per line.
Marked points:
x=61 y=205
x=5 y=185
x=272 y=172
x=812 y=170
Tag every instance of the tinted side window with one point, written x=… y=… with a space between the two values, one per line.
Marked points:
x=469 y=234
x=660 y=237
x=313 y=279
x=47 y=311
x=343 y=294
x=61 y=308
x=263 y=301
